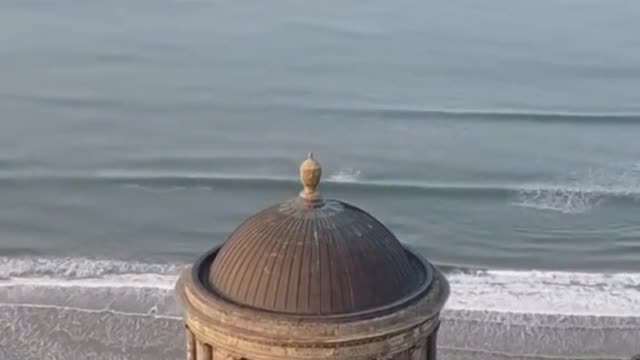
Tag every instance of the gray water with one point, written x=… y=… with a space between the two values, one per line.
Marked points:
x=497 y=135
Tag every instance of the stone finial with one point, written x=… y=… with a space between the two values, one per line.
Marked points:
x=310 y=172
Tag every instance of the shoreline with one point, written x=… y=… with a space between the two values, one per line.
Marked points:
x=52 y=332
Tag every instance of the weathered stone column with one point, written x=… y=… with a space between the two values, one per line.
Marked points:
x=432 y=343
x=190 y=344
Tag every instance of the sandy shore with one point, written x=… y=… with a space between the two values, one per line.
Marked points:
x=36 y=332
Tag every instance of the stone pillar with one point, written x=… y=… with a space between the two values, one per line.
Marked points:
x=432 y=343
x=190 y=344
x=196 y=349
x=203 y=351
x=419 y=352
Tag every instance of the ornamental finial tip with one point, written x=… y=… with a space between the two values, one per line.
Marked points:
x=310 y=172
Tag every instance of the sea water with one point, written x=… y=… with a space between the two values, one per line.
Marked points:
x=498 y=139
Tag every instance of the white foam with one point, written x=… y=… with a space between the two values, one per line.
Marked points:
x=139 y=281
x=566 y=202
x=580 y=192
x=546 y=292
x=347 y=175
x=530 y=292
x=92 y=311
x=78 y=267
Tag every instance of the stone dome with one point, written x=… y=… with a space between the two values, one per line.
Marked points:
x=314 y=256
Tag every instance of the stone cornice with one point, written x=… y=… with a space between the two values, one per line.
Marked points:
x=262 y=335
x=215 y=311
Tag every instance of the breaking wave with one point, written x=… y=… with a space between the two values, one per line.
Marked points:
x=581 y=192
x=568 y=196
x=78 y=268
x=543 y=292
x=482 y=115
x=345 y=178
x=348 y=175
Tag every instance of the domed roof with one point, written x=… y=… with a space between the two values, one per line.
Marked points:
x=310 y=256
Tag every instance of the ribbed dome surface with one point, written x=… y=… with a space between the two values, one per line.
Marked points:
x=313 y=259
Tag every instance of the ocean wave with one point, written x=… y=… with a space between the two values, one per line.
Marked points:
x=523 y=292
x=347 y=175
x=348 y=178
x=135 y=281
x=546 y=292
x=479 y=115
x=79 y=268
x=342 y=28
x=583 y=191
x=568 y=201
x=575 y=193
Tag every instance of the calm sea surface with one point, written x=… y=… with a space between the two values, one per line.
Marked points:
x=498 y=134
x=502 y=134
